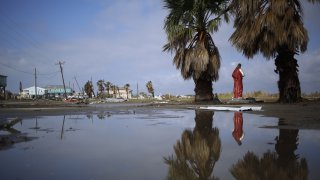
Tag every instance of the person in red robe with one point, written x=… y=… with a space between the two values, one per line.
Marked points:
x=237 y=132
x=237 y=76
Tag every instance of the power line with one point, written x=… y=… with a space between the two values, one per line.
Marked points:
x=24 y=36
x=16 y=69
x=30 y=73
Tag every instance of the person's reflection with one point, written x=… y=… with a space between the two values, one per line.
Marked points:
x=283 y=163
x=237 y=132
x=197 y=151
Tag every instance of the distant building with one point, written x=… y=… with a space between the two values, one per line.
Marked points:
x=3 y=85
x=58 y=90
x=31 y=92
x=120 y=93
x=47 y=91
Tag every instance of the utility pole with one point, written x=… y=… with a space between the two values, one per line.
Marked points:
x=64 y=86
x=35 y=82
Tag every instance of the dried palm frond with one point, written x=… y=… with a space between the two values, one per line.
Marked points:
x=266 y=25
x=187 y=27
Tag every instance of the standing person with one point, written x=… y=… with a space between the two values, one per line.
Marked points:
x=237 y=76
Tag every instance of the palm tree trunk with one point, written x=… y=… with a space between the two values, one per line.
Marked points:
x=288 y=84
x=127 y=94
x=203 y=89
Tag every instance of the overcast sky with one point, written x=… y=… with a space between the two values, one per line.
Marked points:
x=121 y=41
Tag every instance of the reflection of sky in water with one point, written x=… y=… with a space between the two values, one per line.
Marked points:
x=132 y=144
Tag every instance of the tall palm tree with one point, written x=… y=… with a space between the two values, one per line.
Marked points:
x=100 y=85
x=275 y=29
x=107 y=85
x=150 y=88
x=188 y=27
x=114 y=87
x=126 y=87
x=88 y=88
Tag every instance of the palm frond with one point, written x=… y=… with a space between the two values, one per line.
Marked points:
x=264 y=26
x=187 y=26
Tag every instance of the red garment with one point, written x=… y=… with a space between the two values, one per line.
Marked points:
x=237 y=132
x=237 y=86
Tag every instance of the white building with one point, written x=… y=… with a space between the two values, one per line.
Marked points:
x=31 y=92
x=120 y=93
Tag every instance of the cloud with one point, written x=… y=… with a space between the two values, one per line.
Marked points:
x=310 y=71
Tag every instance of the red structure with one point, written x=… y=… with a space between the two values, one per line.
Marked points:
x=237 y=76
x=237 y=132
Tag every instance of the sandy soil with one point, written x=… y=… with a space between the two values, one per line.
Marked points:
x=304 y=115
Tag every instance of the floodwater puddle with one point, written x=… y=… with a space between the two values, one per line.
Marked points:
x=159 y=144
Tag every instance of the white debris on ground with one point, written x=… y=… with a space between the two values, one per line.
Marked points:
x=226 y=108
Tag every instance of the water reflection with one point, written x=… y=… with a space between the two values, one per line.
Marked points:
x=283 y=163
x=237 y=132
x=102 y=114
x=197 y=151
x=62 y=128
x=36 y=126
x=10 y=136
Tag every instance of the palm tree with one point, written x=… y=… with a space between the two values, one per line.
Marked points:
x=188 y=27
x=100 y=85
x=126 y=87
x=275 y=29
x=118 y=91
x=197 y=151
x=150 y=88
x=88 y=88
x=114 y=87
x=107 y=85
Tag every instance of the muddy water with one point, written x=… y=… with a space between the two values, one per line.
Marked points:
x=159 y=144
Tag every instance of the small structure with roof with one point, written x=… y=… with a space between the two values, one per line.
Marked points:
x=58 y=90
x=3 y=85
x=31 y=92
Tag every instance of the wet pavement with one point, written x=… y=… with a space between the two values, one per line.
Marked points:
x=158 y=144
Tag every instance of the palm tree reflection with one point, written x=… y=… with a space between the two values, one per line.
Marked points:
x=197 y=151
x=283 y=163
x=237 y=132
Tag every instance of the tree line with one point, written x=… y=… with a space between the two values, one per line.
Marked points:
x=106 y=89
